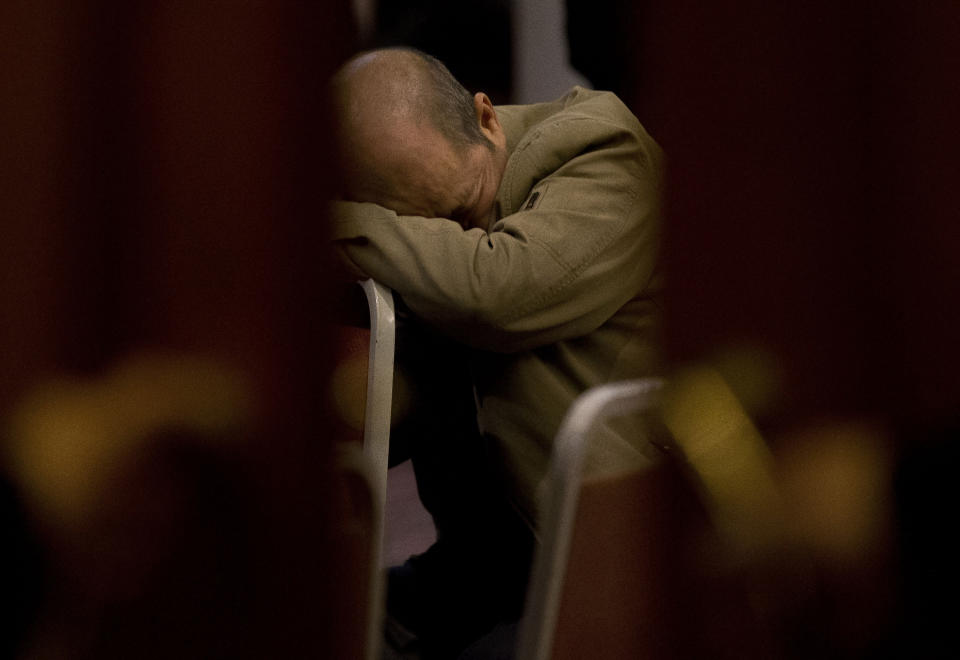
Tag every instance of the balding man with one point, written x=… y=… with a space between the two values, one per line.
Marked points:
x=525 y=237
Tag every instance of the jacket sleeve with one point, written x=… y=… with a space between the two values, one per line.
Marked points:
x=581 y=245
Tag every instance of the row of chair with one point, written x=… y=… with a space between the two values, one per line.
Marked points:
x=607 y=576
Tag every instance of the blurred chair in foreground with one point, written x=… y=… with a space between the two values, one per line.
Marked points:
x=363 y=392
x=597 y=569
x=168 y=527
x=697 y=540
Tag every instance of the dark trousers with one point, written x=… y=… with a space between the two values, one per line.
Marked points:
x=475 y=575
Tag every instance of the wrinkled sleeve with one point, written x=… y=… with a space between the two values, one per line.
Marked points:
x=555 y=271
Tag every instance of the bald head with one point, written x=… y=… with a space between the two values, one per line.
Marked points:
x=414 y=140
x=391 y=100
x=380 y=88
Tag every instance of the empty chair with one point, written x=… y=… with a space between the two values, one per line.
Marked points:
x=646 y=550
x=596 y=557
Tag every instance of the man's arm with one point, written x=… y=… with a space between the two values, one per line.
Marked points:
x=554 y=271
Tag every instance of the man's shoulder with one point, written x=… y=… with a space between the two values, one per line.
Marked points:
x=590 y=135
x=578 y=103
x=579 y=115
x=596 y=103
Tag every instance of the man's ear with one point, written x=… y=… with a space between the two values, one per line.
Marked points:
x=487 y=116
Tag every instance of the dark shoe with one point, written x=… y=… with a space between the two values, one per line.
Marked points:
x=447 y=602
x=498 y=644
x=398 y=642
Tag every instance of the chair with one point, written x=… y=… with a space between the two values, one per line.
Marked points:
x=376 y=441
x=557 y=568
x=685 y=555
x=362 y=393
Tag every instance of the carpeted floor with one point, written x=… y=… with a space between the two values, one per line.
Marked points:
x=408 y=528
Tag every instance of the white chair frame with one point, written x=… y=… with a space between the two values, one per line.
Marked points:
x=563 y=481
x=376 y=444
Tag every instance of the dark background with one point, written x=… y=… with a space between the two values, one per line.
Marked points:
x=163 y=176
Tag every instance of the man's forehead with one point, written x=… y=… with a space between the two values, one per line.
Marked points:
x=422 y=172
x=419 y=150
x=432 y=191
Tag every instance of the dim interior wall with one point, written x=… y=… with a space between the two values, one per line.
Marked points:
x=541 y=69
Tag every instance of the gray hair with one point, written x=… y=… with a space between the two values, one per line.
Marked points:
x=436 y=96
x=450 y=105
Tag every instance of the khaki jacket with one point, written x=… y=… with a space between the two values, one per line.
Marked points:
x=560 y=295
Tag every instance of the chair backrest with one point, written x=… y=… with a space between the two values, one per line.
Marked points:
x=663 y=558
x=376 y=441
x=598 y=563
x=369 y=356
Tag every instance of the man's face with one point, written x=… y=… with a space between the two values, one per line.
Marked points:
x=430 y=178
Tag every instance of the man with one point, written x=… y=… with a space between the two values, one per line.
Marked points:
x=523 y=240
